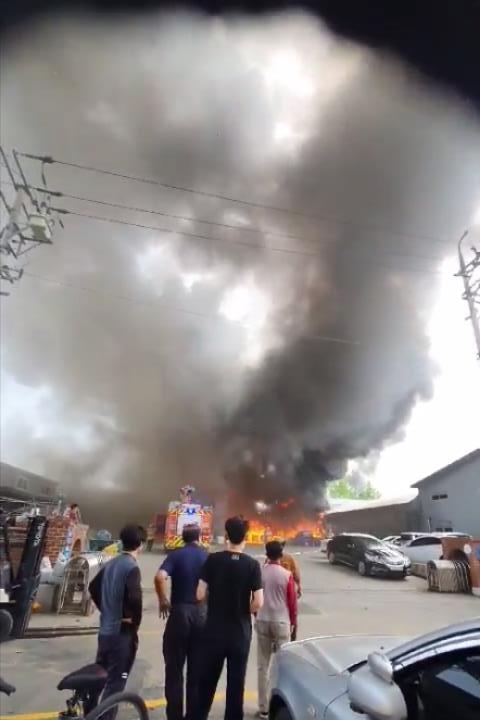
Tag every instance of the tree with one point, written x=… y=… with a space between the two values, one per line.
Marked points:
x=369 y=492
x=343 y=490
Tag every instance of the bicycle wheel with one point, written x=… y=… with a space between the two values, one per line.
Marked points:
x=114 y=700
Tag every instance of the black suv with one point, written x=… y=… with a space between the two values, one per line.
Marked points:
x=368 y=555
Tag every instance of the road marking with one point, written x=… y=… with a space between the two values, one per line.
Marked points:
x=151 y=705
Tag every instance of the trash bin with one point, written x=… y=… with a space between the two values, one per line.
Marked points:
x=72 y=596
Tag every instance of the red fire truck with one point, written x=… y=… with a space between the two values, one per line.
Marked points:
x=186 y=512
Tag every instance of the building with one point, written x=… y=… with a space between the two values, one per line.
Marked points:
x=376 y=517
x=19 y=486
x=449 y=499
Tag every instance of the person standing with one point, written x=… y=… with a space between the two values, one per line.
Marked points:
x=182 y=639
x=289 y=563
x=117 y=592
x=72 y=513
x=150 y=536
x=276 y=618
x=232 y=581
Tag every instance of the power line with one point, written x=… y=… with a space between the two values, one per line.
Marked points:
x=162 y=213
x=46 y=159
x=122 y=206
x=167 y=306
x=287 y=251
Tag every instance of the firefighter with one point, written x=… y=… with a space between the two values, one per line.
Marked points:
x=150 y=537
x=182 y=640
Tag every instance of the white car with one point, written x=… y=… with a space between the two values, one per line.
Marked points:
x=427 y=547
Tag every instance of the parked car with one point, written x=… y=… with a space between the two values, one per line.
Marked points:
x=392 y=539
x=305 y=539
x=428 y=547
x=406 y=537
x=368 y=555
x=433 y=677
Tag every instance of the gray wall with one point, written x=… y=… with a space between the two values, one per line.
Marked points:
x=460 y=510
x=379 y=521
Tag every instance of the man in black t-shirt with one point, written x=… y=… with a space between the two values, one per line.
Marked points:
x=232 y=582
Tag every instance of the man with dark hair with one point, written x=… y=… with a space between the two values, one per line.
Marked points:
x=182 y=640
x=117 y=592
x=276 y=618
x=232 y=581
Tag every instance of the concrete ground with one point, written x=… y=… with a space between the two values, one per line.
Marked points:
x=335 y=601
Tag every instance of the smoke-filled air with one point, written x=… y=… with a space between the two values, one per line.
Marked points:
x=270 y=323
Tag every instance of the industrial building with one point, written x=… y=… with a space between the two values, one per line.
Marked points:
x=20 y=485
x=449 y=499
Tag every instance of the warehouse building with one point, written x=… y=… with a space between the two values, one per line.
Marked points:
x=17 y=485
x=376 y=517
x=447 y=500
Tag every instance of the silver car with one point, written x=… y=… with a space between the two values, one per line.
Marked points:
x=434 y=677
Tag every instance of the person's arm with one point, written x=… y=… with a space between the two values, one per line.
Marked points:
x=256 y=603
x=133 y=597
x=95 y=589
x=202 y=587
x=202 y=590
x=292 y=601
x=296 y=577
x=160 y=582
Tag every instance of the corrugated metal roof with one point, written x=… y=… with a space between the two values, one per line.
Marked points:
x=355 y=505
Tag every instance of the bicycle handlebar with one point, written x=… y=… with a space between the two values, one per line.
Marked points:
x=114 y=700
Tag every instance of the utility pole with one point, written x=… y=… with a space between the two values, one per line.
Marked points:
x=471 y=283
x=25 y=228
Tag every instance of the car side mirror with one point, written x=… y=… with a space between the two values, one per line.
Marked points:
x=371 y=690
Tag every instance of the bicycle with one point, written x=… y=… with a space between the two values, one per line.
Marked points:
x=86 y=684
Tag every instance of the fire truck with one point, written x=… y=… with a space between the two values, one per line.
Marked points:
x=186 y=512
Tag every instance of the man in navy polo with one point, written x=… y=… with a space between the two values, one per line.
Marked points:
x=182 y=640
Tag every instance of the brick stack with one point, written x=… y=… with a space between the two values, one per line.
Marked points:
x=56 y=537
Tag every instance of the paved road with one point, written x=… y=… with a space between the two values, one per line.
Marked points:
x=336 y=601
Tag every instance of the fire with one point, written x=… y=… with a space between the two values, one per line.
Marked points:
x=261 y=532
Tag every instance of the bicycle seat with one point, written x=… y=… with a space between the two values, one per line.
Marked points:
x=89 y=678
x=6 y=688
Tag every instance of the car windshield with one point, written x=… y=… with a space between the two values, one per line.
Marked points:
x=371 y=542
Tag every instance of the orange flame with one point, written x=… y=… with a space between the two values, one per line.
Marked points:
x=261 y=532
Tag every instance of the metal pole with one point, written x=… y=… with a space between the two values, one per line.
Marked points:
x=469 y=295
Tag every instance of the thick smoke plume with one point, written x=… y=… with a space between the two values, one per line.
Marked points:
x=135 y=360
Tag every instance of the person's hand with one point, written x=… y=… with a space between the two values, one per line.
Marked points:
x=299 y=592
x=164 y=609
x=293 y=633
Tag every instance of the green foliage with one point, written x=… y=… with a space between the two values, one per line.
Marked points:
x=342 y=490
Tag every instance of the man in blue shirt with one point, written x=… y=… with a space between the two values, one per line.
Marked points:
x=182 y=640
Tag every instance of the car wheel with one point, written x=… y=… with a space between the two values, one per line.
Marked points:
x=282 y=714
x=331 y=558
x=362 y=568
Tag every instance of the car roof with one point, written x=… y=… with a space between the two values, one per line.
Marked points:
x=464 y=628
x=360 y=535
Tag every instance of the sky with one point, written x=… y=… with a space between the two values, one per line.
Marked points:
x=323 y=311
x=446 y=427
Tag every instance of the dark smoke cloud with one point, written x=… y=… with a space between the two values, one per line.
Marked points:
x=140 y=398
x=451 y=55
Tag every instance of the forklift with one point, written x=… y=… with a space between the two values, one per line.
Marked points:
x=20 y=588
